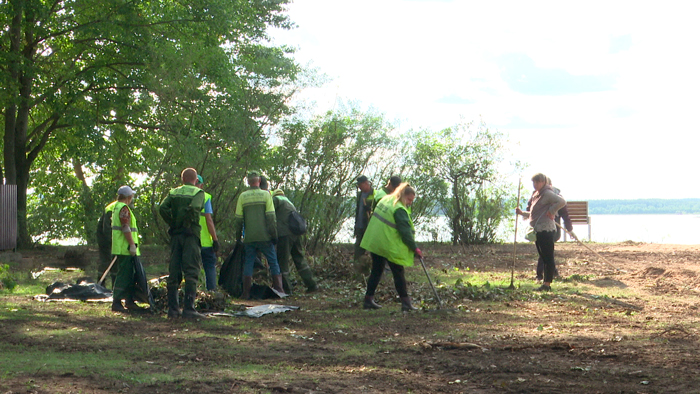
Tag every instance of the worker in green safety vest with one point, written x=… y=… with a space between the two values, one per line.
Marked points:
x=125 y=240
x=209 y=240
x=289 y=246
x=387 y=189
x=390 y=239
x=181 y=209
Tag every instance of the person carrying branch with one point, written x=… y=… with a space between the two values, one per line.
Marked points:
x=545 y=205
x=389 y=239
x=181 y=210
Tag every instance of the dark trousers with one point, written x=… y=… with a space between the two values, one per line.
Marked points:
x=185 y=258
x=359 y=252
x=209 y=265
x=290 y=246
x=378 y=264
x=124 y=284
x=545 y=249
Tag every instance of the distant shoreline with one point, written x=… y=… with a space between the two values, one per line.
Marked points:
x=686 y=206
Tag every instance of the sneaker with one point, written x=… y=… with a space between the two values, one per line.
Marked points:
x=544 y=288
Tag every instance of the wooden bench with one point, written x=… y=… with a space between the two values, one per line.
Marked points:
x=578 y=213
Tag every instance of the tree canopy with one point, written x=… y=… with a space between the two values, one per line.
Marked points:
x=98 y=94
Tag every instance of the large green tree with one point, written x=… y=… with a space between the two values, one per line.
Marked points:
x=459 y=170
x=121 y=87
x=316 y=162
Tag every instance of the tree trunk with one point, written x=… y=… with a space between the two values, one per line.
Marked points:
x=90 y=214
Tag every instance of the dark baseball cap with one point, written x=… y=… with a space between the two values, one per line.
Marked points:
x=362 y=179
x=395 y=180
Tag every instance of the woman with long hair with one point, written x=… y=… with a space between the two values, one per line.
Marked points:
x=390 y=240
x=545 y=205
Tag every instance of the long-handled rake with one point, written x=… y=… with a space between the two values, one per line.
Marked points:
x=431 y=283
x=102 y=279
x=515 y=240
x=572 y=235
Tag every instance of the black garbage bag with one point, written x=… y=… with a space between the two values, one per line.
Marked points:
x=262 y=292
x=85 y=289
x=143 y=292
x=231 y=274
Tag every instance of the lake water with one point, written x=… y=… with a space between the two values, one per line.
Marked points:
x=662 y=229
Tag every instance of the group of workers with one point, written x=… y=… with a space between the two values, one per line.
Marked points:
x=260 y=221
x=383 y=227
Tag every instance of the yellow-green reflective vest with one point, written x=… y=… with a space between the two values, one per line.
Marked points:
x=383 y=238
x=120 y=246
x=207 y=241
x=110 y=206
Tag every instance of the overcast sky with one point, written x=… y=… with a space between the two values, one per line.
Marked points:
x=600 y=96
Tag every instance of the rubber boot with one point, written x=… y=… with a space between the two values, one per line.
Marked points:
x=277 y=284
x=117 y=305
x=308 y=278
x=370 y=304
x=247 y=284
x=173 y=303
x=131 y=305
x=188 y=312
x=406 y=304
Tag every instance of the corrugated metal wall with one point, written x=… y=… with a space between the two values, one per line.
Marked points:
x=8 y=217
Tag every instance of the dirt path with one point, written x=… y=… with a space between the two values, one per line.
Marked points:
x=629 y=327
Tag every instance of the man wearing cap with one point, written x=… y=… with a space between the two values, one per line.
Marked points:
x=181 y=210
x=289 y=244
x=125 y=238
x=255 y=211
x=389 y=188
x=363 y=210
x=210 y=242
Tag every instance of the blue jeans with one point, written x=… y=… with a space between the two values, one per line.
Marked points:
x=209 y=264
x=267 y=249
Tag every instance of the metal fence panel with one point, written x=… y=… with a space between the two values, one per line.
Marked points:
x=8 y=217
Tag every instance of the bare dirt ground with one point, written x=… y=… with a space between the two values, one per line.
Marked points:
x=626 y=326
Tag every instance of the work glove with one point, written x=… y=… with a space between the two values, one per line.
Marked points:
x=132 y=249
x=419 y=253
x=216 y=246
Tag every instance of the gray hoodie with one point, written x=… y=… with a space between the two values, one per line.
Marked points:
x=546 y=200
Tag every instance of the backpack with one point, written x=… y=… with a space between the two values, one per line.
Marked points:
x=297 y=224
x=104 y=230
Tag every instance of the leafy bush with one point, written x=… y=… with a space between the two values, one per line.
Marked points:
x=7 y=279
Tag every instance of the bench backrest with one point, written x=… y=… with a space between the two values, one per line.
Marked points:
x=578 y=212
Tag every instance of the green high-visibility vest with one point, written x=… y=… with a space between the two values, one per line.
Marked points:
x=207 y=241
x=120 y=246
x=382 y=237
x=378 y=195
